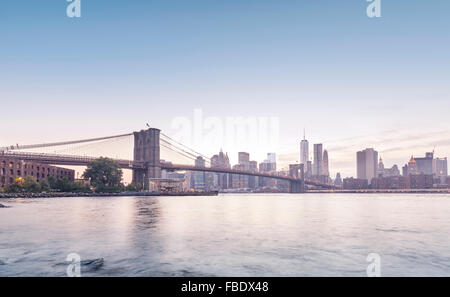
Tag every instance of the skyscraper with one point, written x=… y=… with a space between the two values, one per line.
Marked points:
x=405 y=170
x=425 y=165
x=412 y=166
x=238 y=180
x=440 y=170
x=304 y=151
x=338 y=180
x=244 y=160
x=318 y=159
x=221 y=161
x=308 y=170
x=253 y=180
x=380 y=171
x=367 y=164
x=268 y=165
x=272 y=158
x=199 y=177
x=440 y=167
x=326 y=168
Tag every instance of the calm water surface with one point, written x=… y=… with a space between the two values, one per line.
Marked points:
x=229 y=235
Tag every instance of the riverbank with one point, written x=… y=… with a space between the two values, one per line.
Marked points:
x=369 y=191
x=67 y=195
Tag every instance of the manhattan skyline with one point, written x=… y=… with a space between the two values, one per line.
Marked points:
x=351 y=81
x=224 y=147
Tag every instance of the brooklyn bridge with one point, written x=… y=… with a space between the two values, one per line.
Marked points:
x=147 y=163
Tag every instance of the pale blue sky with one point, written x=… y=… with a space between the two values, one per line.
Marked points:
x=352 y=81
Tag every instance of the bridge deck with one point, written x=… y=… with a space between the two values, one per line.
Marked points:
x=68 y=160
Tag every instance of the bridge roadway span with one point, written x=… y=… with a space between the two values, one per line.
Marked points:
x=67 y=160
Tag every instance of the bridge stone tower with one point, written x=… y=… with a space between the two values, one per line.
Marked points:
x=297 y=187
x=147 y=156
x=297 y=171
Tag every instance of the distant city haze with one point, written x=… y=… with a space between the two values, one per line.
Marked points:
x=350 y=81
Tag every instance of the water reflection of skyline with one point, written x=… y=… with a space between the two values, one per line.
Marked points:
x=229 y=235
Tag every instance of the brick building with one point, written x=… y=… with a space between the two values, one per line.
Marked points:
x=355 y=183
x=412 y=181
x=10 y=169
x=421 y=181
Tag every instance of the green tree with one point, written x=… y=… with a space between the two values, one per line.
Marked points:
x=52 y=182
x=44 y=186
x=17 y=186
x=63 y=185
x=80 y=187
x=30 y=185
x=104 y=175
x=14 y=188
x=134 y=187
x=27 y=184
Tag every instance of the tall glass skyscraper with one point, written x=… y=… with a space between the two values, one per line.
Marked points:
x=199 y=177
x=367 y=164
x=326 y=166
x=318 y=159
x=440 y=167
x=304 y=151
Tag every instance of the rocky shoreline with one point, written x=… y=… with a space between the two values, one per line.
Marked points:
x=67 y=195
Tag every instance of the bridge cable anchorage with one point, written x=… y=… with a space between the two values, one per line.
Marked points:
x=42 y=145
x=199 y=154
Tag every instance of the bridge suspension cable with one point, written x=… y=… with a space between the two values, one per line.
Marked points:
x=176 y=149
x=180 y=153
x=109 y=147
x=183 y=147
x=43 y=145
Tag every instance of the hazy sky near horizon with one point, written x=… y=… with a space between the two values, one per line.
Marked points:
x=352 y=81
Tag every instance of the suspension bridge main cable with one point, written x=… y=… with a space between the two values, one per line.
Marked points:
x=42 y=145
x=179 y=150
x=172 y=147
x=185 y=150
x=198 y=154
x=89 y=146
x=187 y=156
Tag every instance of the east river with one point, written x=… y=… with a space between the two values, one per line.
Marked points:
x=228 y=235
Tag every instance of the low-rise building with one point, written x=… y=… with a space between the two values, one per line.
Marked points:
x=421 y=181
x=412 y=181
x=11 y=169
x=355 y=183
